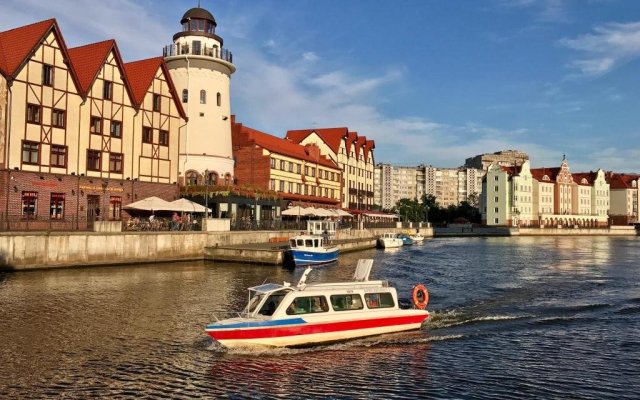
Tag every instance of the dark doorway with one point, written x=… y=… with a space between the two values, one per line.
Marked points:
x=93 y=210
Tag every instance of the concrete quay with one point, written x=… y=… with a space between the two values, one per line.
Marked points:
x=21 y=251
x=462 y=231
x=273 y=253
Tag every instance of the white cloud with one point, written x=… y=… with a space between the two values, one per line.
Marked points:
x=607 y=47
x=310 y=56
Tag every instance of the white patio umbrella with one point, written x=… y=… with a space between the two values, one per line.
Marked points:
x=343 y=213
x=186 y=205
x=294 y=211
x=150 y=204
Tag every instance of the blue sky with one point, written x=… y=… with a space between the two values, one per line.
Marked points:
x=433 y=82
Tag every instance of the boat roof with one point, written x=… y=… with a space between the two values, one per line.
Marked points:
x=268 y=288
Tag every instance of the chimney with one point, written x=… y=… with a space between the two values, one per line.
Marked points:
x=312 y=150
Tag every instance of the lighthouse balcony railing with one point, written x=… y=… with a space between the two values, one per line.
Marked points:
x=213 y=52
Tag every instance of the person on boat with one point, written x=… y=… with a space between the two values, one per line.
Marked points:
x=325 y=237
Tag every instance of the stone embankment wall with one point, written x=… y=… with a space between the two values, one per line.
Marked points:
x=23 y=251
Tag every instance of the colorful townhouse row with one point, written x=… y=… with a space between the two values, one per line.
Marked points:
x=556 y=197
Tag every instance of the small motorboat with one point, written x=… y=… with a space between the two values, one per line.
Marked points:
x=309 y=250
x=406 y=239
x=417 y=238
x=289 y=316
x=389 y=240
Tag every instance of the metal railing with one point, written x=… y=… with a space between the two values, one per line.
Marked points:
x=160 y=224
x=186 y=49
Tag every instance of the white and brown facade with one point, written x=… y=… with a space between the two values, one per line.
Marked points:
x=81 y=133
x=354 y=154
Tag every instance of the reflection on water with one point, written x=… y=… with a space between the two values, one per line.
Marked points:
x=511 y=318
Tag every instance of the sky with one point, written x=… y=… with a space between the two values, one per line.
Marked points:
x=432 y=82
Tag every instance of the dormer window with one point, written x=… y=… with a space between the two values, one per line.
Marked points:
x=546 y=178
x=583 y=181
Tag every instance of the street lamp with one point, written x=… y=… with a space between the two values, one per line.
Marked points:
x=206 y=193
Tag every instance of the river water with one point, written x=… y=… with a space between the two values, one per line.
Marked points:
x=510 y=318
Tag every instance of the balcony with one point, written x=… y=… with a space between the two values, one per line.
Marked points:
x=173 y=50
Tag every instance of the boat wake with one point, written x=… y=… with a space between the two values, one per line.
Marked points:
x=399 y=339
x=454 y=318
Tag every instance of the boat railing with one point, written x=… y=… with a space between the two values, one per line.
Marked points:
x=350 y=285
x=220 y=315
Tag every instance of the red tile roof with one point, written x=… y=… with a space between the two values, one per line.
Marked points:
x=360 y=142
x=369 y=145
x=512 y=170
x=141 y=74
x=539 y=173
x=621 y=181
x=331 y=136
x=351 y=138
x=87 y=60
x=590 y=177
x=17 y=44
x=283 y=146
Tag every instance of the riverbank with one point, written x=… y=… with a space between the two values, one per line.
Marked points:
x=558 y=231
x=29 y=251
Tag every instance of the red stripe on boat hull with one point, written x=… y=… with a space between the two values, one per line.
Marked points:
x=313 y=328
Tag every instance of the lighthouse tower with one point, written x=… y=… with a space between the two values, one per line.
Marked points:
x=201 y=72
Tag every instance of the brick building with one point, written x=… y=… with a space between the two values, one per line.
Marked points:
x=299 y=174
x=82 y=134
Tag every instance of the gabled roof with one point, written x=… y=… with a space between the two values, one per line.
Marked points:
x=141 y=74
x=350 y=139
x=18 y=44
x=512 y=170
x=369 y=145
x=590 y=177
x=331 y=136
x=539 y=173
x=360 y=142
x=284 y=147
x=621 y=181
x=88 y=60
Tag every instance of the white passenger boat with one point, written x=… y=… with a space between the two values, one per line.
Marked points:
x=417 y=238
x=310 y=250
x=389 y=240
x=287 y=316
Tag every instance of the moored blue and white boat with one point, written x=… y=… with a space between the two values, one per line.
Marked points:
x=309 y=250
x=285 y=316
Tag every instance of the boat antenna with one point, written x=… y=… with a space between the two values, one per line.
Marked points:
x=303 y=279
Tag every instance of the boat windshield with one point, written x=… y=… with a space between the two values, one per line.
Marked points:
x=272 y=303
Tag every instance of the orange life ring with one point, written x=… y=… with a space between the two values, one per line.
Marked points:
x=420 y=296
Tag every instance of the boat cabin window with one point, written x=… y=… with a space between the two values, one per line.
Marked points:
x=292 y=243
x=273 y=301
x=308 y=242
x=379 y=300
x=300 y=242
x=308 y=305
x=344 y=302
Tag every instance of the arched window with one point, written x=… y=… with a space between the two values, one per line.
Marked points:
x=203 y=97
x=213 y=178
x=219 y=99
x=227 y=179
x=191 y=178
x=185 y=95
x=633 y=184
